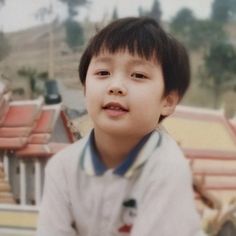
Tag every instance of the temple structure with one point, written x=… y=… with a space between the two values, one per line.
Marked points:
x=30 y=133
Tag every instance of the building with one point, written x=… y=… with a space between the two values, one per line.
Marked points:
x=30 y=133
x=208 y=140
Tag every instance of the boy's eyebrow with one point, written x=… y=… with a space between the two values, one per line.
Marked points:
x=102 y=59
x=133 y=62
x=138 y=62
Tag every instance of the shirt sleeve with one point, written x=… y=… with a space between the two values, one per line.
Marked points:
x=55 y=217
x=168 y=206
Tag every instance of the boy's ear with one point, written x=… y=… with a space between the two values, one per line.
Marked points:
x=169 y=103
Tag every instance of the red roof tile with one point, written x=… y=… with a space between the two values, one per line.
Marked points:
x=46 y=121
x=39 y=150
x=12 y=143
x=35 y=150
x=209 y=129
x=26 y=126
x=233 y=124
x=210 y=154
x=19 y=116
x=39 y=138
x=15 y=132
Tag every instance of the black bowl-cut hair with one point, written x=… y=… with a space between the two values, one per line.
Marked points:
x=144 y=37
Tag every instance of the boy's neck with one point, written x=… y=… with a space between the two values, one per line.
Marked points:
x=114 y=149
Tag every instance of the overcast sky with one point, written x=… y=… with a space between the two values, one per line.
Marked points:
x=19 y=14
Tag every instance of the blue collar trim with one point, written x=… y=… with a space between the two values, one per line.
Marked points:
x=99 y=166
x=93 y=165
x=129 y=160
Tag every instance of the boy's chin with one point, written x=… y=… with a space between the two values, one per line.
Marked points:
x=119 y=131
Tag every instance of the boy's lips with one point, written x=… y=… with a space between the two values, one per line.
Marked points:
x=115 y=109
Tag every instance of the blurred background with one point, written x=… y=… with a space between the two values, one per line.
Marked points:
x=41 y=42
x=44 y=39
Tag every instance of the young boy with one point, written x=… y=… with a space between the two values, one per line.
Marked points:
x=126 y=177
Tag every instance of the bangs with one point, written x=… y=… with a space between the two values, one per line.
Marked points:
x=136 y=38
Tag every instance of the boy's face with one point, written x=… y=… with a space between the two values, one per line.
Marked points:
x=124 y=94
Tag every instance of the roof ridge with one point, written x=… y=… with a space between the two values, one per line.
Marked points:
x=199 y=110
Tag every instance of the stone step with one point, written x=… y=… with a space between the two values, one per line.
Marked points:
x=7 y=197
x=1 y=168
x=2 y=174
x=6 y=194
x=4 y=186
x=7 y=201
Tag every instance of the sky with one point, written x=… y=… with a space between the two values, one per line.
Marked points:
x=20 y=14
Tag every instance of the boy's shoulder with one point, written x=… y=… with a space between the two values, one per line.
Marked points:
x=168 y=159
x=169 y=146
x=67 y=158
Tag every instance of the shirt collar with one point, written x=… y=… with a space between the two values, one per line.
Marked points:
x=91 y=162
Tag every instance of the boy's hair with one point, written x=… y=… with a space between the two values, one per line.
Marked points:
x=144 y=37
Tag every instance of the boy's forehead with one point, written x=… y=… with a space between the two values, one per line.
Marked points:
x=106 y=57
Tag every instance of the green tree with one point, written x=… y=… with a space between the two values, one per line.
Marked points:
x=195 y=33
x=182 y=23
x=223 y=10
x=143 y=12
x=204 y=33
x=2 y=2
x=72 y=6
x=74 y=33
x=4 y=46
x=32 y=76
x=219 y=71
x=156 y=12
x=115 y=14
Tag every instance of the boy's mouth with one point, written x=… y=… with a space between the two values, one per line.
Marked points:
x=114 y=106
x=114 y=109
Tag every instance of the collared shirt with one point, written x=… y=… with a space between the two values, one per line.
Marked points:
x=149 y=194
x=91 y=162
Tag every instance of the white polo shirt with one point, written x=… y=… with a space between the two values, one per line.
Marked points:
x=149 y=194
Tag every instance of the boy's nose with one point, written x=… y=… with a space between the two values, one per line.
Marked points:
x=117 y=89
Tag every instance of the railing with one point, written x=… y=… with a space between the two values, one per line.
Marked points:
x=22 y=178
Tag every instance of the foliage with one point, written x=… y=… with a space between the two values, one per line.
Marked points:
x=74 y=34
x=72 y=5
x=219 y=71
x=2 y=2
x=115 y=14
x=195 y=33
x=221 y=60
x=43 y=13
x=142 y=12
x=183 y=21
x=155 y=12
x=223 y=11
x=32 y=75
x=4 y=46
x=204 y=33
x=74 y=31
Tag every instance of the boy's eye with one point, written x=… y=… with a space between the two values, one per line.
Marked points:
x=103 y=73
x=138 y=76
